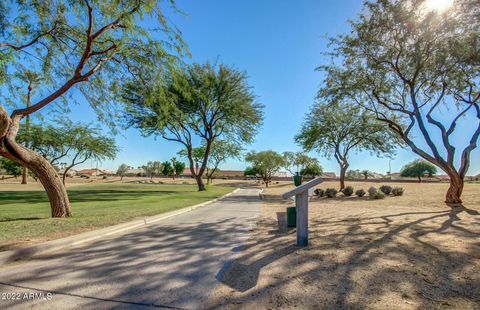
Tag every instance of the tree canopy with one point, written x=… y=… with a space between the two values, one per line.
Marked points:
x=77 y=51
x=265 y=164
x=198 y=101
x=11 y=167
x=76 y=143
x=335 y=129
x=408 y=66
x=122 y=170
x=301 y=163
x=418 y=169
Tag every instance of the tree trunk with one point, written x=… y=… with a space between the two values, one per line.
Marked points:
x=201 y=185
x=343 y=170
x=455 y=190
x=59 y=202
x=419 y=179
x=24 y=175
x=57 y=194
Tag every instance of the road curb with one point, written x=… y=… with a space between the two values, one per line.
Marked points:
x=82 y=238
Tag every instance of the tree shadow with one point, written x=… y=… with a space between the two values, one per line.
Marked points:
x=355 y=261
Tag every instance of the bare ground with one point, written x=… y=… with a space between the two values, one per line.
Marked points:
x=409 y=252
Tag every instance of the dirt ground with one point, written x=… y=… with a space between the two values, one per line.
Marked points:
x=409 y=252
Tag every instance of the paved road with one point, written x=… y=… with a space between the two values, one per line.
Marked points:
x=169 y=264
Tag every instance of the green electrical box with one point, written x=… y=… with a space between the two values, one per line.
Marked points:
x=292 y=217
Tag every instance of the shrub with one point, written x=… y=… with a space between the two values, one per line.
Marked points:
x=331 y=192
x=397 y=191
x=319 y=192
x=378 y=195
x=360 y=193
x=375 y=194
x=348 y=191
x=386 y=189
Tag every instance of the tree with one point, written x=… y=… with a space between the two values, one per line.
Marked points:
x=220 y=151
x=418 y=169
x=298 y=162
x=202 y=101
x=32 y=79
x=366 y=174
x=313 y=170
x=122 y=171
x=250 y=171
x=153 y=168
x=408 y=65
x=339 y=128
x=91 y=47
x=78 y=142
x=167 y=169
x=11 y=167
x=265 y=164
x=179 y=167
x=353 y=174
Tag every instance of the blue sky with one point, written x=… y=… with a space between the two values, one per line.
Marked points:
x=279 y=44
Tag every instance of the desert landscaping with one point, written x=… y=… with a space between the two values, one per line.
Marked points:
x=410 y=251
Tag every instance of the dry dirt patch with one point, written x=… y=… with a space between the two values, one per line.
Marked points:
x=405 y=252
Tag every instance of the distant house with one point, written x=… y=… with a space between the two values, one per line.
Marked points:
x=94 y=172
x=135 y=171
x=442 y=177
x=70 y=173
x=329 y=175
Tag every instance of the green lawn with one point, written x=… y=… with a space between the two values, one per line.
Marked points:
x=25 y=215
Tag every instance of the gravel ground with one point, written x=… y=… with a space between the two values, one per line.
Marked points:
x=409 y=252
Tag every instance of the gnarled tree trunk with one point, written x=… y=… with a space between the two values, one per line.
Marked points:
x=41 y=167
x=455 y=190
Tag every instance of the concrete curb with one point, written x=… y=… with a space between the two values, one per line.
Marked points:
x=75 y=240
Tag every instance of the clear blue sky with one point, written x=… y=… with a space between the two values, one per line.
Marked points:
x=279 y=44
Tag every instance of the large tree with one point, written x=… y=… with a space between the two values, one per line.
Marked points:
x=418 y=169
x=122 y=171
x=197 y=102
x=153 y=168
x=221 y=150
x=91 y=46
x=74 y=143
x=338 y=129
x=11 y=167
x=265 y=164
x=300 y=163
x=418 y=71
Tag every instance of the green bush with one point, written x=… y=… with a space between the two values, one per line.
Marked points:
x=378 y=195
x=397 y=191
x=331 y=192
x=319 y=192
x=360 y=192
x=348 y=191
x=375 y=194
x=386 y=189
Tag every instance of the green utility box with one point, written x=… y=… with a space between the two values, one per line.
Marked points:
x=292 y=217
x=297 y=180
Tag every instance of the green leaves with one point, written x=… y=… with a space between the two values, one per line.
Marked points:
x=337 y=128
x=95 y=44
x=418 y=169
x=265 y=163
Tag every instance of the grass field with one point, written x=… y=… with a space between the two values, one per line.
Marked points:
x=25 y=215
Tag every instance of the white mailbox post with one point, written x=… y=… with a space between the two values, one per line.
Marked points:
x=301 y=202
